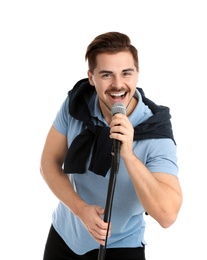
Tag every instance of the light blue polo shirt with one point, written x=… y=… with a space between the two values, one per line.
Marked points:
x=128 y=225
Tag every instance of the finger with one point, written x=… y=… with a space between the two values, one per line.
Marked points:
x=100 y=210
x=104 y=230
x=98 y=237
x=101 y=235
x=99 y=240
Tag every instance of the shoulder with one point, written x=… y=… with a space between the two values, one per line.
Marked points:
x=159 y=155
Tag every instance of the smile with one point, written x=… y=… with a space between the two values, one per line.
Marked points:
x=118 y=95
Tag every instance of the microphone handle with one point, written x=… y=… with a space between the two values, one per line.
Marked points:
x=116 y=151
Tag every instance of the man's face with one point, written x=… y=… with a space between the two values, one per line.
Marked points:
x=115 y=79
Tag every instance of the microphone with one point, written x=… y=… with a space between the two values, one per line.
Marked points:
x=117 y=108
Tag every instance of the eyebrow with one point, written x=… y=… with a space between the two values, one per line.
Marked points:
x=108 y=71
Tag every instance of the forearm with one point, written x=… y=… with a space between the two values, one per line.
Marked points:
x=160 y=200
x=60 y=185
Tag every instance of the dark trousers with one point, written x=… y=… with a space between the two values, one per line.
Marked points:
x=56 y=249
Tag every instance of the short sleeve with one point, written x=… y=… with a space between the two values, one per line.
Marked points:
x=61 y=120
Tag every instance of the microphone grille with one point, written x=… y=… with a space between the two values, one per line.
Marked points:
x=118 y=108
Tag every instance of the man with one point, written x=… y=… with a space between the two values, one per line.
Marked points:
x=76 y=159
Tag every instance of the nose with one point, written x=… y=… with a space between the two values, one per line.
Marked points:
x=117 y=82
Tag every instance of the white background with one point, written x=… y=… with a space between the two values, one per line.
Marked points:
x=42 y=48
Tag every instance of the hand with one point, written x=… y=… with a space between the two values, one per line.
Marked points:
x=91 y=218
x=122 y=130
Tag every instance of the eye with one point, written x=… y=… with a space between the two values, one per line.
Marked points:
x=127 y=73
x=106 y=75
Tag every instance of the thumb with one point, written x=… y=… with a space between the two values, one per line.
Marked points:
x=100 y=210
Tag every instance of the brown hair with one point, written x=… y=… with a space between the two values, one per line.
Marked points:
x=111 y=42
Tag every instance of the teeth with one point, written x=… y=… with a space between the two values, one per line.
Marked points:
x=118 y=94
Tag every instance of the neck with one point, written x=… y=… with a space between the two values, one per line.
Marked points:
x=131 y=106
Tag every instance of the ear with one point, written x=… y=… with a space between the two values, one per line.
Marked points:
x=90 y=78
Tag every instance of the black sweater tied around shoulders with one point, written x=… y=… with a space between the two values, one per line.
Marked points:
x=97 y=137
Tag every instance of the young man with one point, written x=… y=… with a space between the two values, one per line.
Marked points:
x=76 y=159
